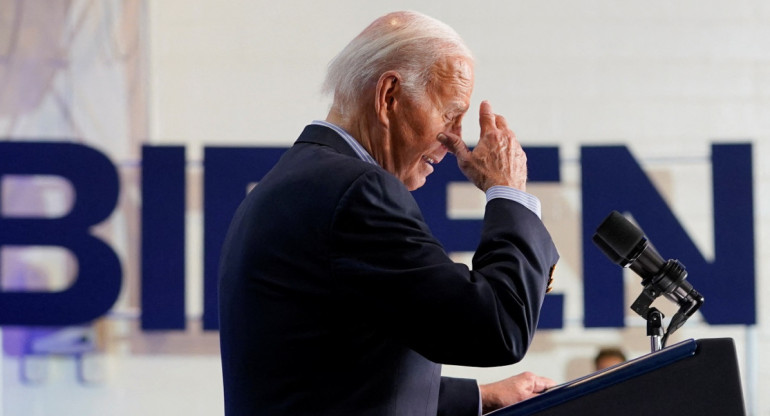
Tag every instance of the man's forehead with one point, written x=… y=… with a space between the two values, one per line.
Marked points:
x=454 y=73
x=458 y=67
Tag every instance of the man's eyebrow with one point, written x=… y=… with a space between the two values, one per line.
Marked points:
x=457 y=106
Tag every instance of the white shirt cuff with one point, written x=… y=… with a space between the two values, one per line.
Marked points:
x=528 y=200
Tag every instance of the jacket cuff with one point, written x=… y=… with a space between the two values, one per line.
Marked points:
x=459 y=397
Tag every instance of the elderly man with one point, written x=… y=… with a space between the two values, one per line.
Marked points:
x=335 y=299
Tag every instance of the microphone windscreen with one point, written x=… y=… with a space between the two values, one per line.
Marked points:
x=620 y=235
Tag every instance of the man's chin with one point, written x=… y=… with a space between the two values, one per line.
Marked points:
x=416 y=182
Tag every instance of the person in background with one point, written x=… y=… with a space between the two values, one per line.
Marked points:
x=607 y=357
x=334 y=296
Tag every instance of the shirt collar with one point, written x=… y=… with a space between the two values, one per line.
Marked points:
x=353 y=143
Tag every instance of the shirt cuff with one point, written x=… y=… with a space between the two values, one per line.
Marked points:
x=506 y=192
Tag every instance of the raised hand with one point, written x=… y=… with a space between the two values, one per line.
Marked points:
x=498 y=159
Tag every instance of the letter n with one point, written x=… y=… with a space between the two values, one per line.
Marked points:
x=613 y=180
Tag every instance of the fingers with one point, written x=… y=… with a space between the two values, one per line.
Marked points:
x=488 y=119
x=533 y=383
x=542 y=384
x=497 y=159
x=486 y=116
x=513 y=390
x=455 y=145
x=500 y=122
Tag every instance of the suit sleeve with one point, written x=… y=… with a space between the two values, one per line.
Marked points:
x=459 y=397
x=401 y=278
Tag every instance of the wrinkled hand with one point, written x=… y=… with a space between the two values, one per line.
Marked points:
x=512 y=390
x=498 y=159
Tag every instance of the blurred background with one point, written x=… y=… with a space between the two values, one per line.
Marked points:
x=664 y=79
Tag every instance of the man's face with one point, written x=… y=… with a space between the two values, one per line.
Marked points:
x=419 y=121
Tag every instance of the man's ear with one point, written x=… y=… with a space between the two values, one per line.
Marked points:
x=388 y=93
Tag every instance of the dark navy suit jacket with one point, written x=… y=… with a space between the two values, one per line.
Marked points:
x=335 y=298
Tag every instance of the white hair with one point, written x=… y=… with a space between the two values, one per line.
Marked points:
x=407 y=42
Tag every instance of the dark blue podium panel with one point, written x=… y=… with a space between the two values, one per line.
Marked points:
x=690 y=378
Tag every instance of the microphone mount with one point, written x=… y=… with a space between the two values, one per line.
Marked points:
x=626 y=245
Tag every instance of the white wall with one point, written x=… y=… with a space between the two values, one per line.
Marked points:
x=666 y=78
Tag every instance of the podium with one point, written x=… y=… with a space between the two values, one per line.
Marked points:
x=691 y=378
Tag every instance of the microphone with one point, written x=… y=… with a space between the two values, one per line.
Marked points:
x=626 y=245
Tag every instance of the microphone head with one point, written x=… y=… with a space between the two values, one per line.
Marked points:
x=619 y=239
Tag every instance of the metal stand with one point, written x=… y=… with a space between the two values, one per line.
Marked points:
x=688 y=304
x=655 y=329
x=653 y=316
